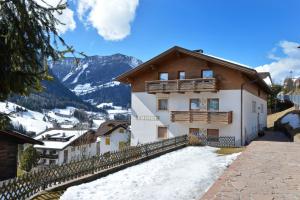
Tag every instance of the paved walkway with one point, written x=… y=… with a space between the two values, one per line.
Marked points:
x=268 y=169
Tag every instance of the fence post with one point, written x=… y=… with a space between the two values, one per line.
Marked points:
x=146 y=149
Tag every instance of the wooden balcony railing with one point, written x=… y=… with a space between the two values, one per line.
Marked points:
x=186 y=85
x=209 y=117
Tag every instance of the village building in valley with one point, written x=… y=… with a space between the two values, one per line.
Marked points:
x=65 y=145
x=182 y=92
x=113 y=135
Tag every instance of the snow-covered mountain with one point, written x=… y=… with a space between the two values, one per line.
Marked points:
x=55 y=95
x=92 y=78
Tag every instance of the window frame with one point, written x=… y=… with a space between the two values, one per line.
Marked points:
x=157 y=134
x=208 y=100
x=107 y=140
x=190 y=106
x=213 y=139
x=158 y=104
x=178 y=75
x=253 y=107
x=204 y=70
x=159 y=76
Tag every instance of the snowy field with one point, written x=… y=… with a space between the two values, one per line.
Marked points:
x=292 y=119
x=181 y=175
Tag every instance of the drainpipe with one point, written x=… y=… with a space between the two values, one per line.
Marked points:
x=242 y=88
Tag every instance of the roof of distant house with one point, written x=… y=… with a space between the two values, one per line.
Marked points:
x=125 y=77
x=109 y=126
x=18 y=137
x=59 y=138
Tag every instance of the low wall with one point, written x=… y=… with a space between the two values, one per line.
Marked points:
x=293 y=134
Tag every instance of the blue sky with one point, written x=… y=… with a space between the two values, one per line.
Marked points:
x=249 y=32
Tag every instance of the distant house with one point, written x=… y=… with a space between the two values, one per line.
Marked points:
x=64 y=145
x=9 y=142
x=182 y=91
x=113 y=135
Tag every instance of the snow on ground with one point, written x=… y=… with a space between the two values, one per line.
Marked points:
x=292 y=119
x=115 y=110
x=184 y=174
x=30 y=120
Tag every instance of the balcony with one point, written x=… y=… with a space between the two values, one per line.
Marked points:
x=208 y=117
x=49 y=156
x=181 y=86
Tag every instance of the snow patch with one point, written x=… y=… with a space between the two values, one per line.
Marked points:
x=82 y=89
x=180 y=175
x=79 y=74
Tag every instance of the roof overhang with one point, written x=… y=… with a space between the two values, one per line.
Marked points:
x=127 y=76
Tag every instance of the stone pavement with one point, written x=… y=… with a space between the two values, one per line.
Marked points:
x=268 y=169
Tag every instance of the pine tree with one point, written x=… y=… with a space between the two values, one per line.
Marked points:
x=28 y=39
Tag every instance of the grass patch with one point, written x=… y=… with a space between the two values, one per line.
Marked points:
x=230 y=150
x=20 y=172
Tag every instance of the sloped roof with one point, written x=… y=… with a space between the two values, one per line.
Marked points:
x=109 y=126
x=125 y=77
x=18 y=137
x=71 y=136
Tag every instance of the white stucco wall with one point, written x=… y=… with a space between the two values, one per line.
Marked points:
x=144 y=111
x=72 y=155
x=115 y=138
x=253 y=121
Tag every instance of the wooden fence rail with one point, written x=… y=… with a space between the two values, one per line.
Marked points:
x=33 y=182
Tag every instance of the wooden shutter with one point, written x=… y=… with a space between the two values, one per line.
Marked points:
x=213 y=133
x=162 y=132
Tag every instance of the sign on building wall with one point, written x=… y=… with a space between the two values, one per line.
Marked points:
x=148 y=118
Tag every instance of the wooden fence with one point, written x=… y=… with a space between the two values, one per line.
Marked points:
x=31 y=183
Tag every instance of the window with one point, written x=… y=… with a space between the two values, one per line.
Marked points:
x=163 y=76
x=122 y=145
x=72 y=149
x=254 y=106
x=98 y=147
x=212 y=104
x=194 y=104
x=65 y=156
x=213 y=135
x=162 y=133
x=52 y=162
x=181 y=75
x=162 y=104
x=262 y=108
x=107 y=140
x=121 y=130
x=52 y=152
x=207 y=74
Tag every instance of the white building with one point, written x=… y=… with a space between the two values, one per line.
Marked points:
x=64 y=145
x=185 y=92
x=113 y=135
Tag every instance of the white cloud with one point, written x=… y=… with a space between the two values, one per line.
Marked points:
x=281 y=67
x=111 y=18
x=66 y=17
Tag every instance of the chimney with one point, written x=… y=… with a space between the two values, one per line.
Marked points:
x=198 y=50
